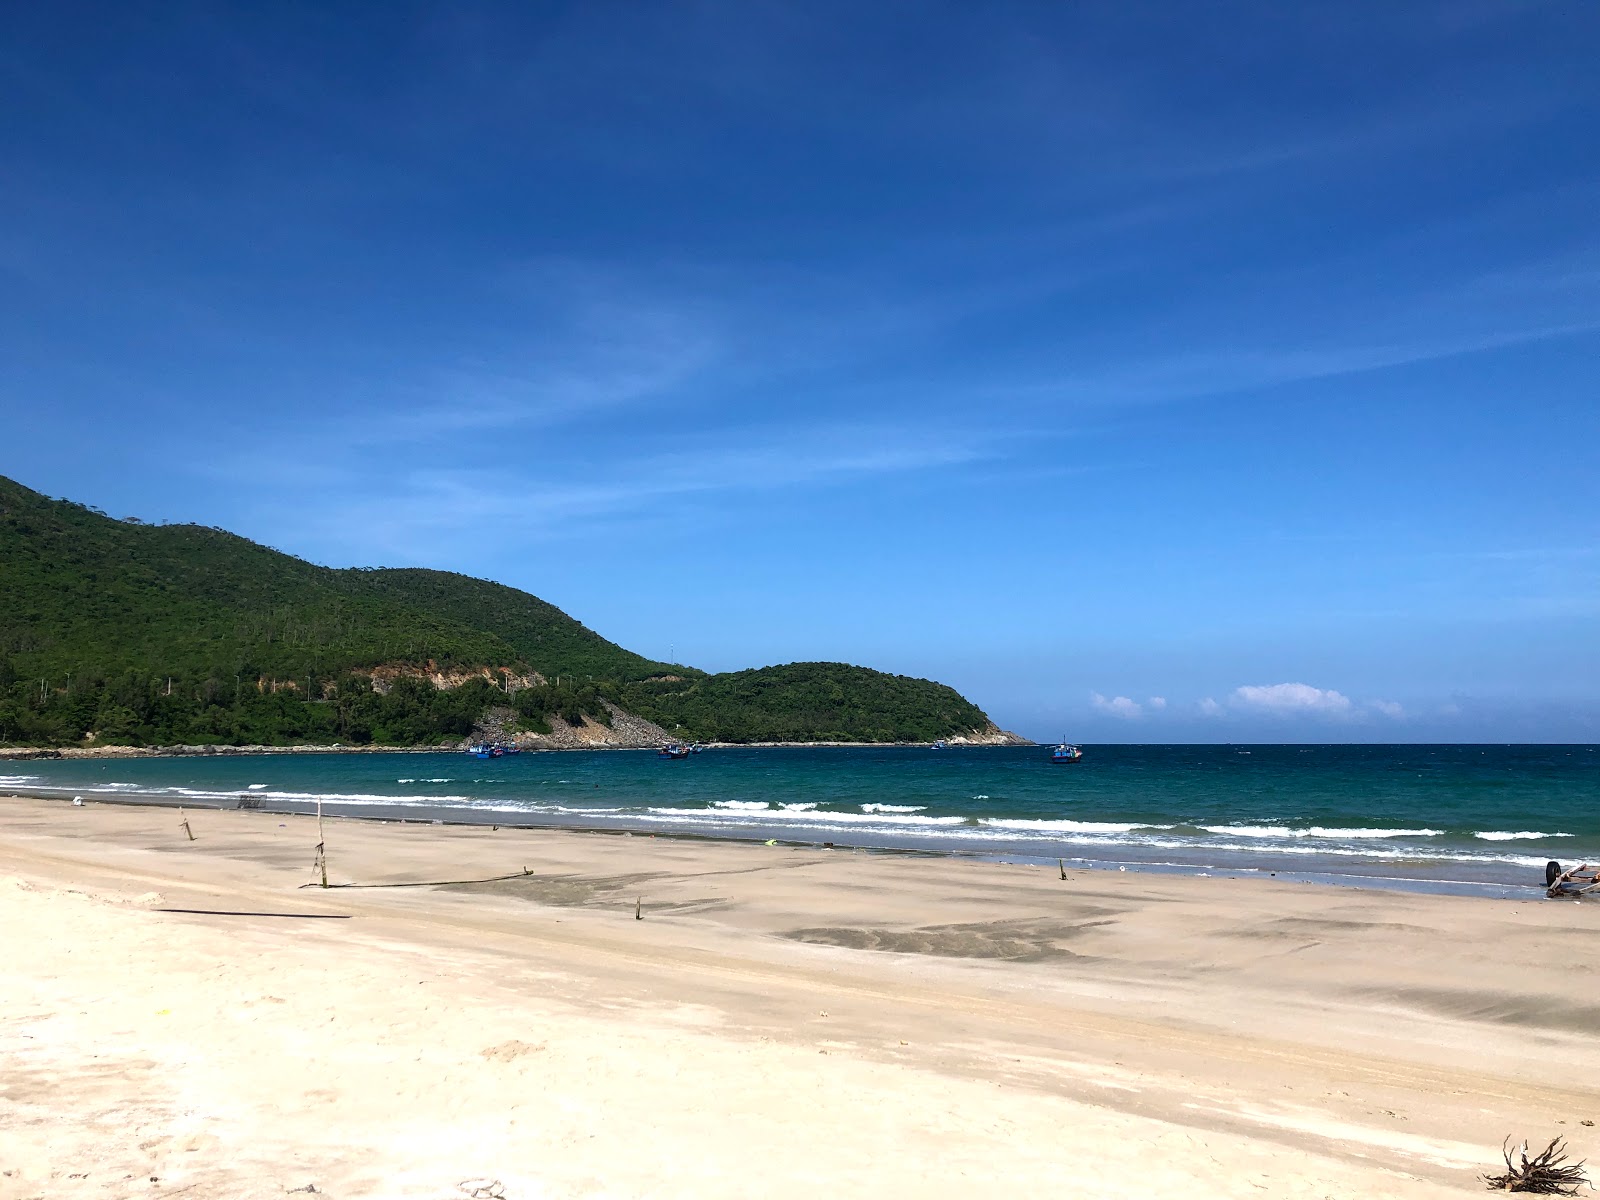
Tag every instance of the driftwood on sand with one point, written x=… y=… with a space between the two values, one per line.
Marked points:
x=1546 y=1173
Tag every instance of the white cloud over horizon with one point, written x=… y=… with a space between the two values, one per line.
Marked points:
x=1291 y=698
x=1117 y=706
x=1270 y=700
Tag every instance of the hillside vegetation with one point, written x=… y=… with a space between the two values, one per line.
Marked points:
x=804 y=702
x=123 y=632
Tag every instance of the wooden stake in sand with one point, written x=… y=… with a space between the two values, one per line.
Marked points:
x=1060 y=862
x=186 y=828
x=322 y=845
x=638 y=909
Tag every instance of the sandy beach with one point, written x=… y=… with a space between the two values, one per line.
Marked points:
x=183 y=1018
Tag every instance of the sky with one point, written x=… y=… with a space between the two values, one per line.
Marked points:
x=1148 y=371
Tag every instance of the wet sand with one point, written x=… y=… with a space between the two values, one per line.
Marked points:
x=183 y=1018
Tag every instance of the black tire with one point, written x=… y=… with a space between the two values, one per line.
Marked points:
x=1551 y=870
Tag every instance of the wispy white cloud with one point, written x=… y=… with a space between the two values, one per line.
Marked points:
x=1116 y=706
x=1291 y=698
x=1157 y=703
x=1297 y=700
x=1212 y=373
x=575 y=341
x=426 y=509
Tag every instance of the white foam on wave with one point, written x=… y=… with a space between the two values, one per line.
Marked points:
x=1252 y=831
x=1526 y=835
x=17 y=780
x=1027 y=826
x=953 y=830
x=424 y=781
x=809 y=818
x=807 y=806
x=893 y=808
x=739 y=805
x=312 y=797
x=1521 y=860
x=1316 y=831
x=1253 y=848
x=256 y=787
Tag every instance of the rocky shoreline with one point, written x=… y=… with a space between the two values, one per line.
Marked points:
x=625 y=733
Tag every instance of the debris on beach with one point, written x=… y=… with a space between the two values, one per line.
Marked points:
x=1545 y=1174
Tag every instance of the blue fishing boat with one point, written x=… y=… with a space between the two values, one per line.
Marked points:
x=941 y=744
x=1066 y=753
x=484 y=750
x=673 y=750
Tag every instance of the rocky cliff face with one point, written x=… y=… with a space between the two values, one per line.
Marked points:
x=991 y=735
x=384 y=676
x=625 y=731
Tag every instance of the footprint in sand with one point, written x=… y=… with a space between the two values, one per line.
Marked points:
x=506 y=1051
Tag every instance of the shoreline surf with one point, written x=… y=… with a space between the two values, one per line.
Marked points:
x=1479 y=817
x=334 y=810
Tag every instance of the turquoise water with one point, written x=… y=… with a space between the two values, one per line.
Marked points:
x=1472 y=814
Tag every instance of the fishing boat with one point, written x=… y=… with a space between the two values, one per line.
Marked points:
x=485 y=750
x=941 y=744
x=1066 y=752
x=673 y=750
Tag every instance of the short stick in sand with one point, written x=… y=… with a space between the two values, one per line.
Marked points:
x=322 y=852
x=186 y=828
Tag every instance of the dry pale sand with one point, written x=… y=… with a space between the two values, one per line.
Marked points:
x=782 y=1022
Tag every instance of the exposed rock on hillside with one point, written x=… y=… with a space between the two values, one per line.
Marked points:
x=625 y=730
x=383 y=676
x=991 y=735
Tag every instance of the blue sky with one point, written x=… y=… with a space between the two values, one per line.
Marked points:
x=1147 y=371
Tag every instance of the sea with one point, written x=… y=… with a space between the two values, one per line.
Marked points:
x=1480 y=819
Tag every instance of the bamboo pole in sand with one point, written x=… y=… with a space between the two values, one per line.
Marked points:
x=322 y=846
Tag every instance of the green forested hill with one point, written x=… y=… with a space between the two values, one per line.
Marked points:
x=181 y=633
x=82 y=593
x=539 y=633
x=804 y=702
